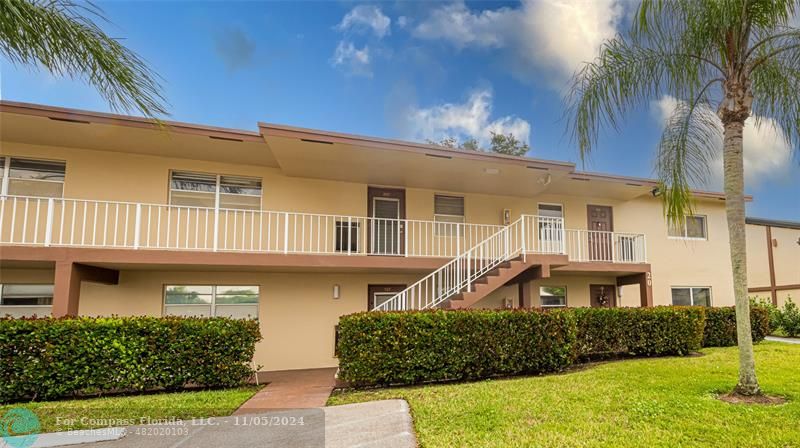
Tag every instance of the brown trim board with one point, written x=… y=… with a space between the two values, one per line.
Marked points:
x=235 y=259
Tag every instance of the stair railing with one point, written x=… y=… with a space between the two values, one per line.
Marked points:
x=458 y=274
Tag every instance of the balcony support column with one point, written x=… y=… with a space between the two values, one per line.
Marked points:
x=645 y=282
x=67 y=284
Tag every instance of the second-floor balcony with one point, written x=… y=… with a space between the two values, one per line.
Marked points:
x=139 y=226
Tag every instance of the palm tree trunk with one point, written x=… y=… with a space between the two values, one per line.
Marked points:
x=734 y=205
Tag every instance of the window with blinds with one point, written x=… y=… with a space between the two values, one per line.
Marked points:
x=201 y=190
x=448 y=213
x=29 y=177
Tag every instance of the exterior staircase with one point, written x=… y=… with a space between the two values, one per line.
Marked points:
x=488 y=283
x=483 y=268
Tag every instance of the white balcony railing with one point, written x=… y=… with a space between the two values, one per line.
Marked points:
x=106 y=224
x=129 y=225
x=609 y=247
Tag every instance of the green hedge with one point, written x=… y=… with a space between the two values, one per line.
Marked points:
x=720 y=330
x=43 y=359
x=658 y=331
x=413 y=347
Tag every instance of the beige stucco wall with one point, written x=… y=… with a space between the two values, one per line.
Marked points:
x=757 y=257
x=786 y=259
x=296 y=310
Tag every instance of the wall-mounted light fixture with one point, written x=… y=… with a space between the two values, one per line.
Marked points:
x=656 y=192
x=336 y=292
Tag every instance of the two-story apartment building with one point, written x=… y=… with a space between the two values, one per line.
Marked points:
x=104 y=214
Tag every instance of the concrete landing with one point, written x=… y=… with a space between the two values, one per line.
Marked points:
x=376 y=424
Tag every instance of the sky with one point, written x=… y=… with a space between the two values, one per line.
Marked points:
x=410 y=70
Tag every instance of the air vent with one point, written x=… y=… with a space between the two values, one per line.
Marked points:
x=583 y=179
x=227 y=139
x=322 y=142
x=531 y=167
x=438 y=156
x=68 y=120
x=633 y=185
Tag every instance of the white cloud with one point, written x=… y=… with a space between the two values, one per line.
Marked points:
x=555 y=35
x=402 y=21
x=767 y=155
x=458 y=25
x=469 y=119
x=366 y=17
x=352 y=60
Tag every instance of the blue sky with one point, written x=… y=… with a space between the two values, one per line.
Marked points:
x=410 y=70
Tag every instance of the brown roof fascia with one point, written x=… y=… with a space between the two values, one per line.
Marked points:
x=649 y=183
x=77 y=115
x=773 y=223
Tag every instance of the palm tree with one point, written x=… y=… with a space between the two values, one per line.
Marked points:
x=725 y=61
x=59 y=36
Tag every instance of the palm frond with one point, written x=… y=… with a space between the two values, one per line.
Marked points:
x=686 y=152
x=61 y=37
x=775 y=91
x=624 y=77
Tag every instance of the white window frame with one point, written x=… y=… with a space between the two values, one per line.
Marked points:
x=218 y=183
x=449 y=224
x=685 y=229
x=213 y=304
x=7 y=174
x=691 y=294
x=566 y=300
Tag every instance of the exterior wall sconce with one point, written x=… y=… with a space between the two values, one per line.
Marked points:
x=336 y=292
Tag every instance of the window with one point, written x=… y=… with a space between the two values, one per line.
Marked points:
x=29 y=177
x=208 y=190
x=690 y=296
x=551 y=227
x=346 y=236
x=553 y=296
x=551 y=210
x=205 y=301
x=26 y=295
x=694 y=227
x=448 y=211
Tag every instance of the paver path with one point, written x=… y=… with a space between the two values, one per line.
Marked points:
x=291 y=389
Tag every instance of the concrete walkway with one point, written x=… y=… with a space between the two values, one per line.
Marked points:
x=376 y=424
x=291 y=389
x=786 y=340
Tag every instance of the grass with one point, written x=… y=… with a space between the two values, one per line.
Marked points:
x=661 y=402
x=89 y=413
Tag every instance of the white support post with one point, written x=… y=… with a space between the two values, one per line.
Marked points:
x=216 y=229
x=48 y=230
x=524 y=238
x=137 y=226
x=286 y=232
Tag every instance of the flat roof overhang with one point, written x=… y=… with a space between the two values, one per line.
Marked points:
x=317 y=154
x=52 y=126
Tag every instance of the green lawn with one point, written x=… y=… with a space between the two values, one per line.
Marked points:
x=664 y=402
x=183 y=405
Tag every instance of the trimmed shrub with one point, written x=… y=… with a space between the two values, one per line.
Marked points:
x=413 y=347
x=773 y=311
x=790 y=318
x=657 y=331
x=44 y=359
x=720 y=330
